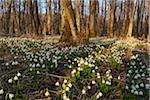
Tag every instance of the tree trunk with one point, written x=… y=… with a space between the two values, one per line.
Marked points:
x=92 y=18
x=48 y=2
x=77 y=15
x=111 y=19
x=125 y=19
x=71 y=20
x=130 y=29
x=149 y=21
x=36 y=17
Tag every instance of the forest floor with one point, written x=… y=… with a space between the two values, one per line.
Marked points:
x=105 y=69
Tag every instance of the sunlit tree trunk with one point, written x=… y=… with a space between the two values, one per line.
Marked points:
x=130 y=29
x=77 y=2
x=92 y=18
x=111 y=19
x=65 y=29
x=71 y=20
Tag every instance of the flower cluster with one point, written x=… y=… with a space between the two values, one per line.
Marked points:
x=137 y=76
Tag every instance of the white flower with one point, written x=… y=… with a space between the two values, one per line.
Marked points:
x=47 y=93
x=103 y=81
x=64 y=97
x=98 y=76
x=130 y=71
x=137 y=86
x=83 y=91
x=10 y=80
x=108 y=83
x=1 y=91
x=132 y=91
x=89 y=87
x=7 y=64
x=93 y=71
x=57 y=84
x=38 y=72
x=142 y=85
x=65 y=81
x=127 y=87
x=143 y=74
x=147 y=86
x=11 y=96
x=93 y=82
x=30 y=69
x=119 y=78
x=136 y=92
x=43 y=66
x=73 y=71
x=70 y=85
x=140 y=93
x=15 y=78
x=96 y=67
x=67 y=88
x=18 y=74
x=70 y=66
x=99 y=95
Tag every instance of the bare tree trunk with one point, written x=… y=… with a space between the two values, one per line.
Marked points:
x=130 y=29
x=71 y=20
x=92 y=18
x=111 y=19
x=48 y=2
x=77 y=15
x=149 y=21
x=36 y=17
x=125 y=19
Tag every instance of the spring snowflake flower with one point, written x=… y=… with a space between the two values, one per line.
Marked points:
x=119 y=78
x=142 y=85
x=83 y=91
x=10 y=95
x=140 y=93
x=15 y=78
x=18 y=74
x=103 y=81
x=89 y=87
x=67 y=88
x=93 y=82
x=47 y=93
x=108 y=83
x=70 y=85
x=57 y=84
x=64 y=97
x=99 y=95
x=38 y=72
x=7 y=64
x=136 y=92
x=10 y=80
x=1 y=91
x=65 y=81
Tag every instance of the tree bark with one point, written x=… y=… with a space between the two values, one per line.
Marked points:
x=92 y=18
x=77 y=15
x=111 y=19
x=130 y=29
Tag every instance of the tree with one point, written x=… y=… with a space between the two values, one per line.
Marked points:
x=77 y=14
x=111 y=19
x=36 y=17
x=92 y=18
x=149 y=21
x=130 y=29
